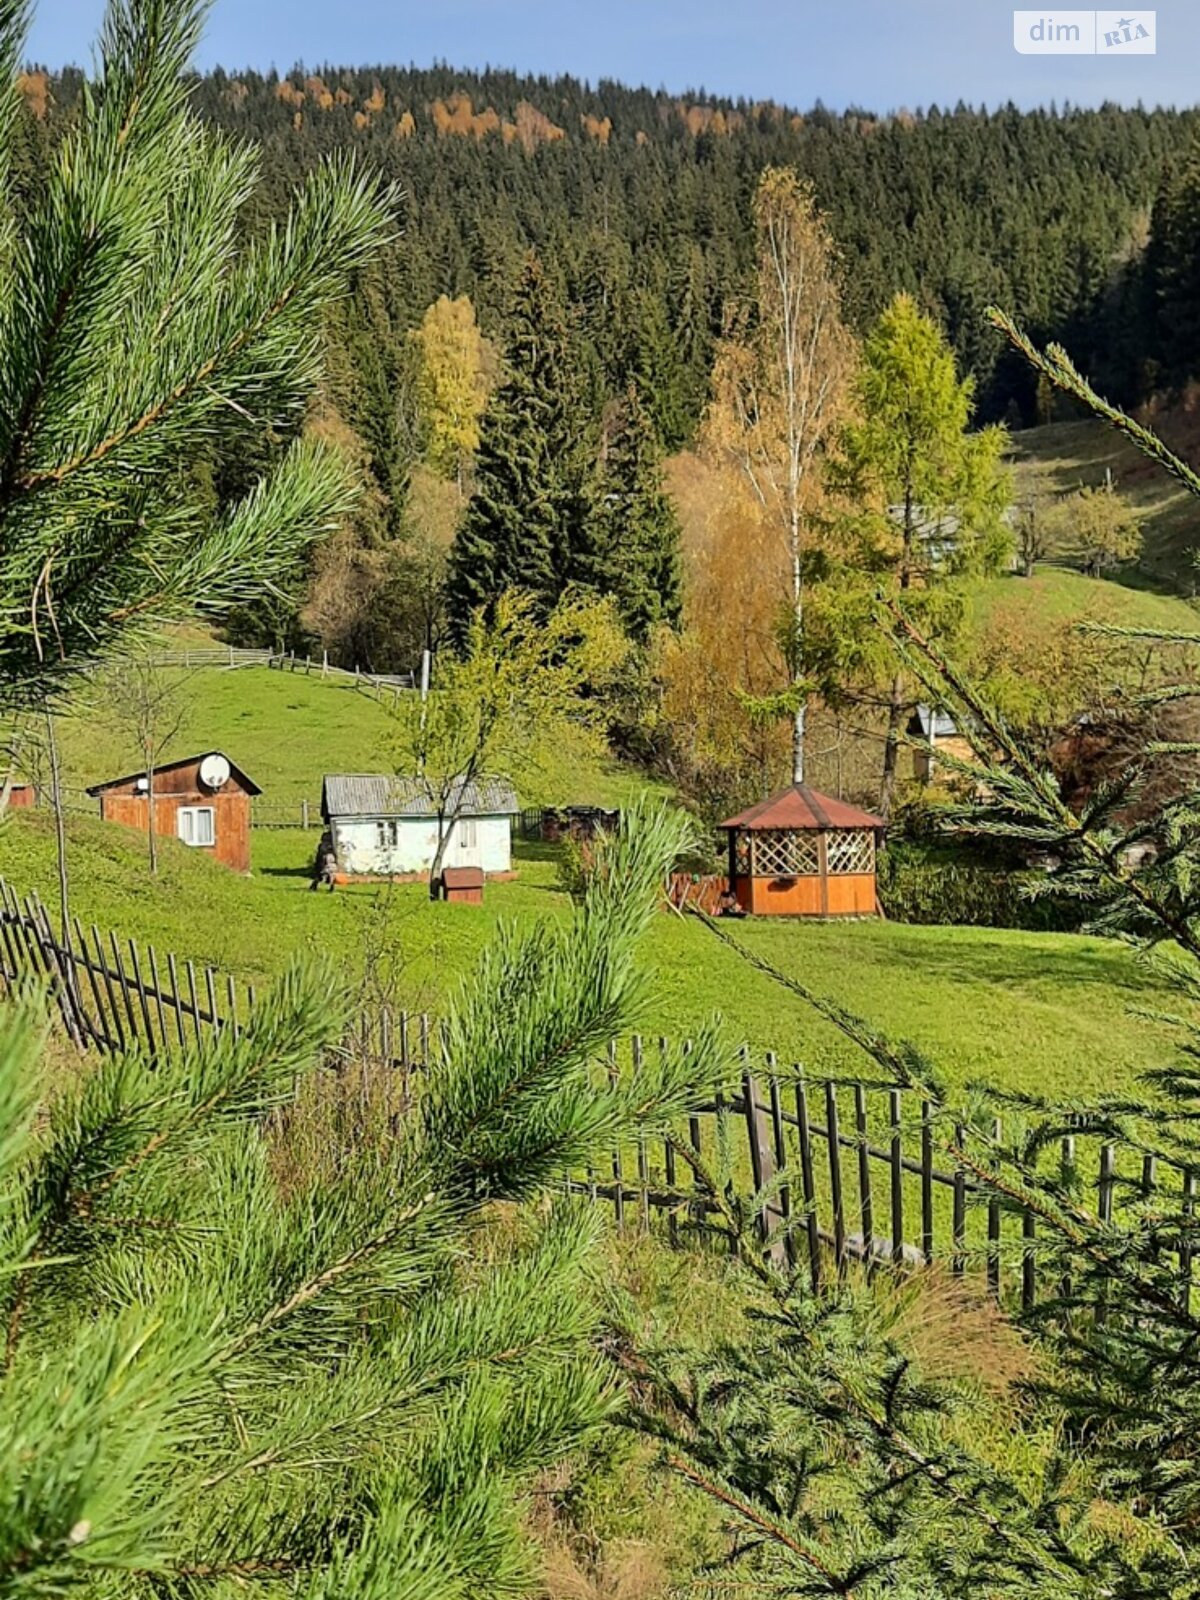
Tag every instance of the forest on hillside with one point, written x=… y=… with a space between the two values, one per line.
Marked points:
x=528 y=375
x=642 y=200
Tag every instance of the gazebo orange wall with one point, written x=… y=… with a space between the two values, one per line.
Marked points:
x=804 y=854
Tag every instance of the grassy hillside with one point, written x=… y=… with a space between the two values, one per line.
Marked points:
x=1034 y=1010
x=1061 y=456
x=1058 y=595
x=286 y=730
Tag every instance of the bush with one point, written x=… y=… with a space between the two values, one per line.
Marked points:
x=942 y=887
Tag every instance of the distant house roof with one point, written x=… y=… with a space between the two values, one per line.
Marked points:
x=173 y=766
x=371 y=794
x=800 y=807
x=944 y=725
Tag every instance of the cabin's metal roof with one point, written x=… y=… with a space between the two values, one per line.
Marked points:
x=799 y=807
x=173 y=766
x=372 y=794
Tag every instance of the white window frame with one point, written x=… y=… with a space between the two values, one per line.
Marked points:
x=387 y=833
x=468 y=833
x=188 y=825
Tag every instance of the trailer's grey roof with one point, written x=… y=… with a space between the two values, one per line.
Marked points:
x=371 y=794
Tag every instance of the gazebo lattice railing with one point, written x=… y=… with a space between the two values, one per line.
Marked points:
x=850 y=851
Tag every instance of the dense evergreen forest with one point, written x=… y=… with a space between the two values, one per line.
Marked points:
x=641 y=200
x=638 y=204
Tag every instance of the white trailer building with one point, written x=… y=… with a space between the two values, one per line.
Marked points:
x=386 y=827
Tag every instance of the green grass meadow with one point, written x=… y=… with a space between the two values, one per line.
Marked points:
x=1039 y=1011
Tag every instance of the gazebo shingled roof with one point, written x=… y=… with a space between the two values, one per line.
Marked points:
x=800 y=807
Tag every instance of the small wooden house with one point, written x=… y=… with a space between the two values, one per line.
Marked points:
x=22 y=795
x=385 y=827
x=937 y=730
x=804 y=854
x=204 y=801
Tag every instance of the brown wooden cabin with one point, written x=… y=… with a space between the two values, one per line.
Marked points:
x=202 y=800
x=22 y=795
x=804 y=854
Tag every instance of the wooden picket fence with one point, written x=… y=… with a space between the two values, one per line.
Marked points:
x=110 y=992
x=853 y=1170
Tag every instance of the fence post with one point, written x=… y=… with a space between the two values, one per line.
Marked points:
x=643 y=1167
x=864 y=1178
x=304 y=814
x=993 y=1256
x=762 y=1159
x=1067 y=1175
x=617 y=1170
x=959 y=1224
x=807 y=1182
x=668 y=1163
x=1105 y=1209
x=835 y=1175
x=781 y=1160
x=897 y=1176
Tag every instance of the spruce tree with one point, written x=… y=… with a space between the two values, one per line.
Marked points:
x=530 y=506
x=928 y=494
x=632 y=548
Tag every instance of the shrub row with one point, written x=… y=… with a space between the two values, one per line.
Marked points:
x=915 y=887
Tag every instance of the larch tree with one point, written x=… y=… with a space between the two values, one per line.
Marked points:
x=727 y=655
x=927 y=494
x=138 y=326
x=780 y=386
x=452 y=384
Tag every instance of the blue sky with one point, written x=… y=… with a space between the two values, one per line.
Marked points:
x=882 y=54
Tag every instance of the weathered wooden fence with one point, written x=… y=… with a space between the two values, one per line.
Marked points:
x=855 y=1172
x=110 y=992
x=229 y=656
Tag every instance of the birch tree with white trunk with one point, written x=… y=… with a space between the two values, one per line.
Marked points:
x=780 y=387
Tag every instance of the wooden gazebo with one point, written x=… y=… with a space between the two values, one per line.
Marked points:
x=804 y=854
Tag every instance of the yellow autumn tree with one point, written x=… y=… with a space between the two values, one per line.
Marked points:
x=452 y=384
x=727 y=654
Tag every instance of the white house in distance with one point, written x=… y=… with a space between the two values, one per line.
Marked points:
x=386 y=827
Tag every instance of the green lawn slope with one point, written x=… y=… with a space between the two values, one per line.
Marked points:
x=287 y=729
x=1059 y=457
x=1038 y=1011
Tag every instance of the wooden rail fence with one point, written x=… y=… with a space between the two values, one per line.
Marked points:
x=230 y=657
x=854 y=1171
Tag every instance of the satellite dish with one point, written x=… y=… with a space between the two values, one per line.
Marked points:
x=214 y=772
